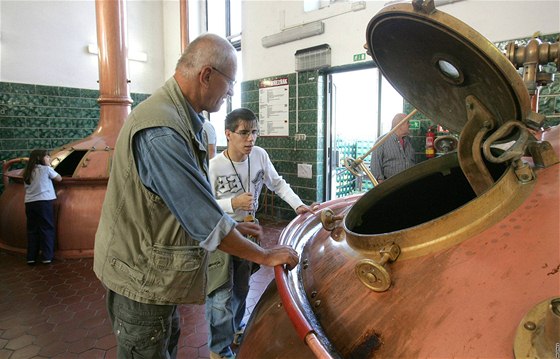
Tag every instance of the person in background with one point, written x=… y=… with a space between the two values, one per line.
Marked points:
x=159 y=218
x=237 y=176
x=211 y=135
x=395 y=154
x=38 y=177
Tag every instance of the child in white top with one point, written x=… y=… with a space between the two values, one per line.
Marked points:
x=39 y=198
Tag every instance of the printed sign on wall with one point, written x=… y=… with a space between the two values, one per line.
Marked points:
x=274 y=96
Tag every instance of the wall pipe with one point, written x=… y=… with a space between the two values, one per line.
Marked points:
x=184 y=23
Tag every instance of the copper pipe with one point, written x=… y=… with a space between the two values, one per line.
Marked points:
x=316 y=347
x=184 y=23
x=300 y=323
x=114 y=95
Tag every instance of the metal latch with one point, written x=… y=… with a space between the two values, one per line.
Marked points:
x=373 y=274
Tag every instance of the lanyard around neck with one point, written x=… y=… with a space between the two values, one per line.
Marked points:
x=237 y=174
x=250 y=217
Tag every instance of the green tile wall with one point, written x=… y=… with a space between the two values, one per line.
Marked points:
x=285 y=152
x=37 y=116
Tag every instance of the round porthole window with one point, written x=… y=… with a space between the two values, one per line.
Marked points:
x=449 y=71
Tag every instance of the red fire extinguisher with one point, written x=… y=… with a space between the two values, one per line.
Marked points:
x=430 y=137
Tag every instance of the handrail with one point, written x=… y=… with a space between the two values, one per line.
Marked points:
x=351 y=164
x=7 y=164
x=303 y=327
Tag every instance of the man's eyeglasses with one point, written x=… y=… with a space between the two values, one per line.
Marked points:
x=230 y=81
x=246 y=134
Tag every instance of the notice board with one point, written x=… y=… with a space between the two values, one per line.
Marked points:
x=274 y=107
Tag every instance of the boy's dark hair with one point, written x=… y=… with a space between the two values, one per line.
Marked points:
x=241 y=114
x=35 y=158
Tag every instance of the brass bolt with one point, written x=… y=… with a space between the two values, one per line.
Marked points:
x=530 y=326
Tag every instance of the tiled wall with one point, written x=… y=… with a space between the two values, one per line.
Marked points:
x=37 y=116
x=33 y=116
x=285 y=152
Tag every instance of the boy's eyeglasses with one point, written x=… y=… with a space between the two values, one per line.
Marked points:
x=246 y=134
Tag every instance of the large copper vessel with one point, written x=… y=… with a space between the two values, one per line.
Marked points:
x=457 y=257
x=84 y=165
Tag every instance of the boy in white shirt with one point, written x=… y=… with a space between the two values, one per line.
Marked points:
x=237 y=176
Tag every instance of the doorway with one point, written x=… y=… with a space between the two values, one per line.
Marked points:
x=361 y=104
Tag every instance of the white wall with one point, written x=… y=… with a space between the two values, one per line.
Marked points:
x=345 y=30
x=145 y=33
x=35 y=49
x=44 y=42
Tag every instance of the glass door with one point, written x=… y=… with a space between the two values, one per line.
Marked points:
x=361 y=105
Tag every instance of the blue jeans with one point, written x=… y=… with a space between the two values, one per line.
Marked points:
x=146 y=331
x=40 y=229
x=225 y=307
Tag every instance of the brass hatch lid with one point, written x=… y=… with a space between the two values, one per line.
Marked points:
x=435 y=62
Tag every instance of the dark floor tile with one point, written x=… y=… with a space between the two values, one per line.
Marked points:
x=100 y=331
x=75 y=335
x=58 y=311
x=82 y=345
x=107 y=342
x=65 y=355
x=14 y=332
x=53 y=348
x=29 y=351
x=38 y=328
x=112 y=353
x=93 y=354
x=195 y=340
x=47 y=338
x=19 y=342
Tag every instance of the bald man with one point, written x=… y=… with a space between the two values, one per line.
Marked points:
x=395 y=154
x=159 y=218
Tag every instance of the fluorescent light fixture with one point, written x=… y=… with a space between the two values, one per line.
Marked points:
x=437 y=3
x=137 y=56
x=132 y=55
x=294 y=33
